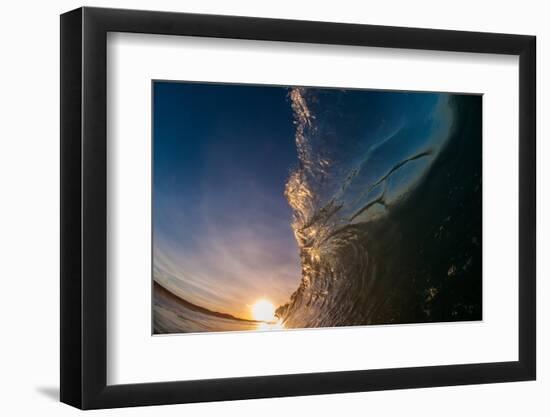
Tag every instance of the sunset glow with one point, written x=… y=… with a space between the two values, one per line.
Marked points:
x=263 y=310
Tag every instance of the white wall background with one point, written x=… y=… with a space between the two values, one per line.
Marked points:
x=29 y=209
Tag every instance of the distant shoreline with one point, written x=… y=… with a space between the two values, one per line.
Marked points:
x=169 y=294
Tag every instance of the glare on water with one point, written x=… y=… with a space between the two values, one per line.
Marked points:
x=277 y=325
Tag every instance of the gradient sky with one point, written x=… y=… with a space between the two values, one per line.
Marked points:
x=222 y=154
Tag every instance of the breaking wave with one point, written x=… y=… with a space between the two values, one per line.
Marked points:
x=386 y=202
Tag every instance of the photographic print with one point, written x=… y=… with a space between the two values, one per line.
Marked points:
x=289 y=207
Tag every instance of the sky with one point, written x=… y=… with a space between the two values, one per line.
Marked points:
x=222 y=154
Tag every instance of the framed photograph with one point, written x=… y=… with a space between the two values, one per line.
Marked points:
x=257 y=208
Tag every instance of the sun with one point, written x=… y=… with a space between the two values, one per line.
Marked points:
x=263 y=310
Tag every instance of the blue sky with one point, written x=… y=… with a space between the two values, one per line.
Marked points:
x=222 y=156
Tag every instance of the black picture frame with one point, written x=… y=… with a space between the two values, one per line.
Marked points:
x=84 y=207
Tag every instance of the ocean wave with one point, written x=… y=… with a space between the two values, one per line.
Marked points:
x=386 y=198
